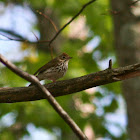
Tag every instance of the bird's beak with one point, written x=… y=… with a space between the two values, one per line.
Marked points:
x=69 y=58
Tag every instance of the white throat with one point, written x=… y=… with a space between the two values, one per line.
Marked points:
x=67 y=63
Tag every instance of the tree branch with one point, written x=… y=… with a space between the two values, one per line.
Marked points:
x=47 y=94
x=65 y=87
x=13 y=33
x=19 y=37
x=48 y=18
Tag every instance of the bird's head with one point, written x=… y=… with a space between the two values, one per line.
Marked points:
x=64 y=57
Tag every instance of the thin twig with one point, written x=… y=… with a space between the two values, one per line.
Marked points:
x=74 y=17
x=13 y=33
x=47 y=17
x=36 y=36
x=50 y=98
x=24 y=40
x=12 y=38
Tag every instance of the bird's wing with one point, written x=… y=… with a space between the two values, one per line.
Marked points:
x=52 y=63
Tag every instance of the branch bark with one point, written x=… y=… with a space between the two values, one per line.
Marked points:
x=65 y=87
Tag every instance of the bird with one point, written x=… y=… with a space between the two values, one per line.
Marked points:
x=54 y=69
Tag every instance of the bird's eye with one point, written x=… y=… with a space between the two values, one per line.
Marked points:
x=63 y=57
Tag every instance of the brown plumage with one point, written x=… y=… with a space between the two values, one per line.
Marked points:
x=54 y=69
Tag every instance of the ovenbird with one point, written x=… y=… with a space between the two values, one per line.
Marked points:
x=54 y=69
